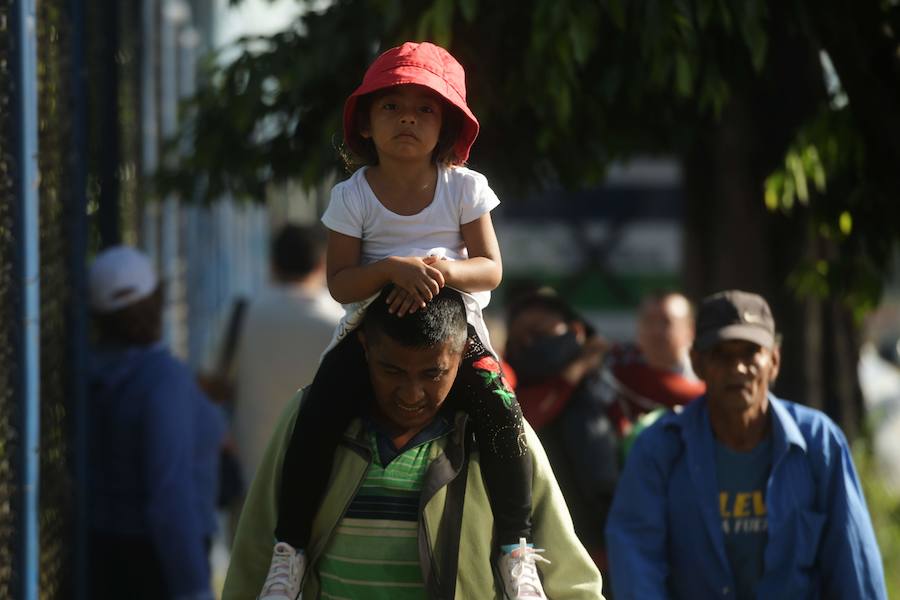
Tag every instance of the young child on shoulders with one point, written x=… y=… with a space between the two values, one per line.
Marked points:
x=415 y=217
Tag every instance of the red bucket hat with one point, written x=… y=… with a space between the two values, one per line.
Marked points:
x=422 y=64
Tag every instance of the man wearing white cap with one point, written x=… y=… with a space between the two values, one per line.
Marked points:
x=154 y=445
x=742 y=495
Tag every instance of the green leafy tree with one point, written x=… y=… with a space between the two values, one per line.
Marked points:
x=790 y=166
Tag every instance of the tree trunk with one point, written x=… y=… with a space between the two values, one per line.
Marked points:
x=732 y=241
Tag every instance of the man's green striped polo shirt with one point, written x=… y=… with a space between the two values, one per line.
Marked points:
x=374 y=553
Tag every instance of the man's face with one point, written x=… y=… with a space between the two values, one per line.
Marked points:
x=410 y=384
x=532 y=324
x=665 y=331
x=737 y=374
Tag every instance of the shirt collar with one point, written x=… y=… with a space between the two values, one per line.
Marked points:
x=784 y=428
x=387 y=452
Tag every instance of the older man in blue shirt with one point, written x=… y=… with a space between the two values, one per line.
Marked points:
x=741 y=495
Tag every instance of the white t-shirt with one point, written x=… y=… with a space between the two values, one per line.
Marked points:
x=460 y=196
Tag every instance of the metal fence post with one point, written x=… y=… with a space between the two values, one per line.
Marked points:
x=26 y=234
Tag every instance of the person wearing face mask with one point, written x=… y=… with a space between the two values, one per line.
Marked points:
x=556 y=357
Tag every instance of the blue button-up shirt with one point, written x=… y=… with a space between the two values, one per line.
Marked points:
x=664 y=532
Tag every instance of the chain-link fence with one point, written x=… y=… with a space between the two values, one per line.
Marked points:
x=61 y=212
x=10 y=438
x=58 y=200
x=93 y=184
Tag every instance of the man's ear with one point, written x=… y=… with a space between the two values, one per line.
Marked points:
x=776 y=363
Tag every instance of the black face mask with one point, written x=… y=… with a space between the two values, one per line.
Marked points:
x=545 y=356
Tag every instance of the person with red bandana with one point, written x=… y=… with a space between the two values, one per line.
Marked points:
x=654 y=374
x=556 y=356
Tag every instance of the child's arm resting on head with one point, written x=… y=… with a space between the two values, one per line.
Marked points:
x=483 y=270
x=349 y=281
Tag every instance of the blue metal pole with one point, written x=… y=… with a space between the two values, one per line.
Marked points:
x=28 y=264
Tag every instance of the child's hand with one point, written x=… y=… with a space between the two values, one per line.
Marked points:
x=416 y=283
x=401 y=302
x=441 y=264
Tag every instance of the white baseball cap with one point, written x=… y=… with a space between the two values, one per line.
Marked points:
x=120 y=276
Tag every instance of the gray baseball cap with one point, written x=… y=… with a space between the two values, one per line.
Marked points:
x=734 y=315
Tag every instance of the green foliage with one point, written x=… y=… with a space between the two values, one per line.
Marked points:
x=884 y=508
x=564 y=87
x=274 y=112
x=854 y=279
x=828 y=147
x=824 y=171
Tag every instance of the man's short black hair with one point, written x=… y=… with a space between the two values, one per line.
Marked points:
x=548 y=300
x=443 y=319
x=297 y=250
x=137 y=324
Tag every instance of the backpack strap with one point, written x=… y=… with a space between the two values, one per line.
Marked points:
x=440 y=580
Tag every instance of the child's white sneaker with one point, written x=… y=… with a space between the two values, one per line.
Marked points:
x=520 y=575
x=285 y=574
